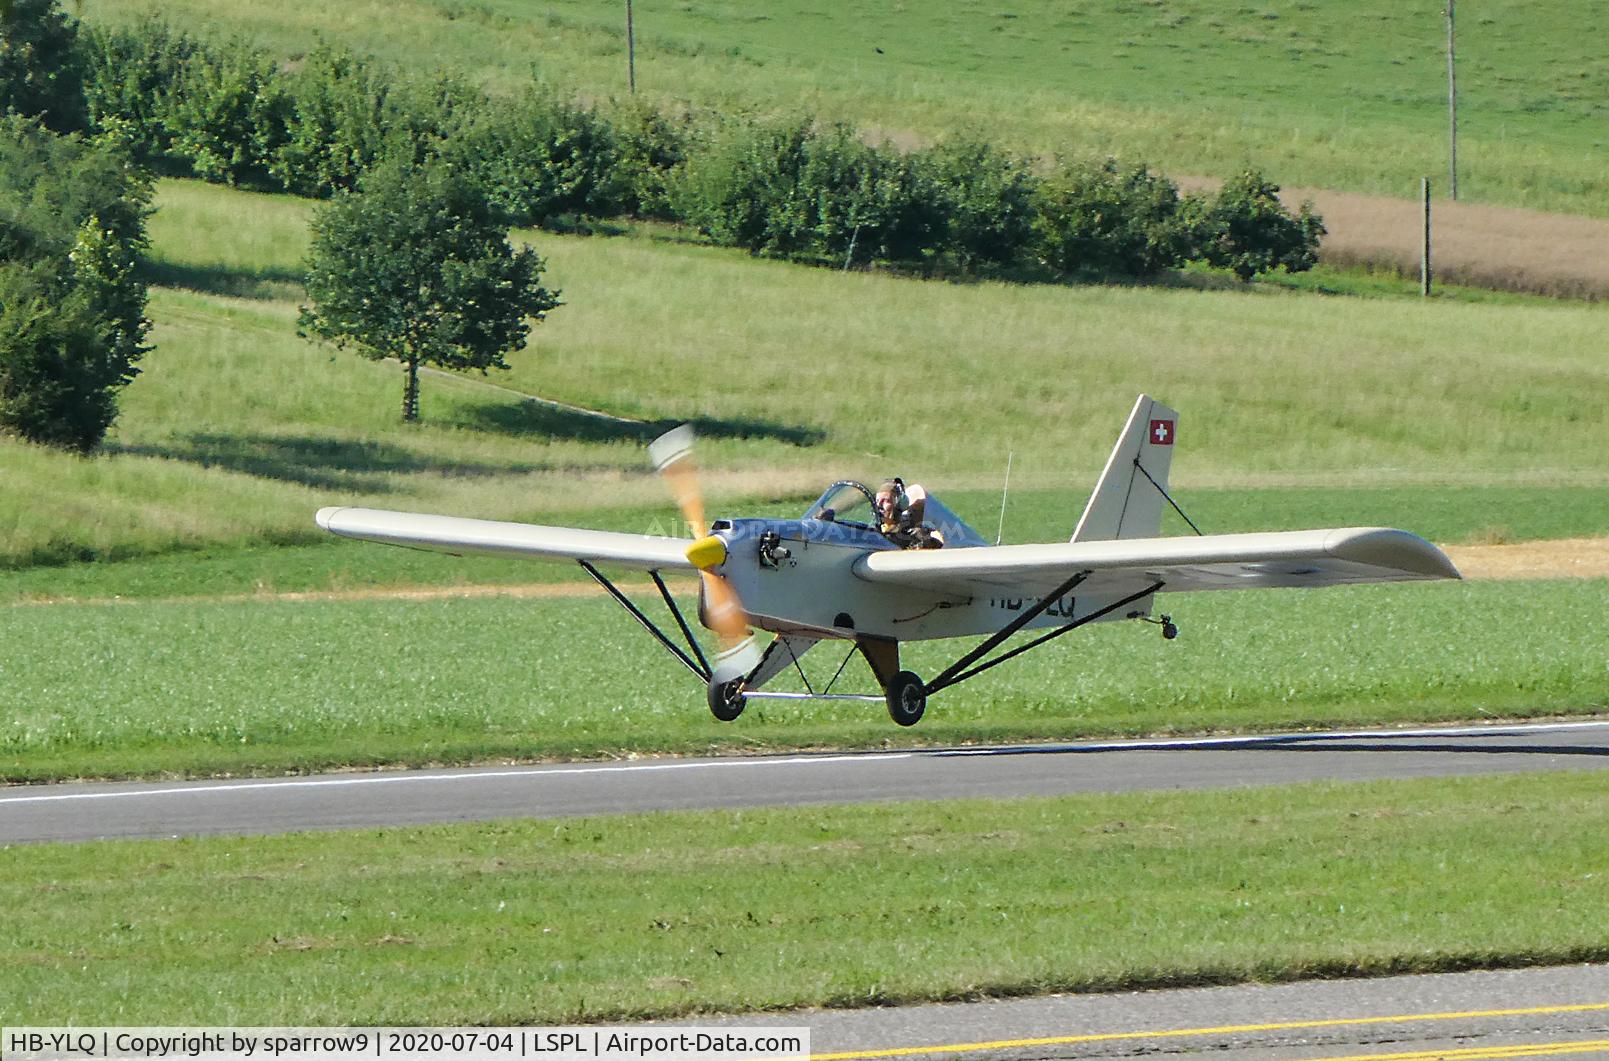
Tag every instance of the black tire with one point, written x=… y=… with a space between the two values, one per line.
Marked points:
x=727 y=700
x=907 y=698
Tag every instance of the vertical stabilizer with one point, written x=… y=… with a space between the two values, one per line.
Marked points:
x=1128 y=501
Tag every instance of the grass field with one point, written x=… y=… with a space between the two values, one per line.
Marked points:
x=1443 y=513
x=658 y=915
x=237 y=430
x=1346 y=96
x=272 y=686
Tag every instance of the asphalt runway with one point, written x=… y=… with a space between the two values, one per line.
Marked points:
x=1554 y=1012
x=75 y=812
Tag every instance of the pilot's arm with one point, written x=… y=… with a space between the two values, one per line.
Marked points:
x=915 y=505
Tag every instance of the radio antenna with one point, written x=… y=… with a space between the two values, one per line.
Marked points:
x=1000 y=533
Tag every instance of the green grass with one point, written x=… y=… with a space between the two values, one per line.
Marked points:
x=237 y=430
x=1328 y=95
x=1445 y=514
x=228 y=241
x=270 y=686
x=659 y=915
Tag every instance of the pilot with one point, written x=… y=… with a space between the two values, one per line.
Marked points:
x=899 y=515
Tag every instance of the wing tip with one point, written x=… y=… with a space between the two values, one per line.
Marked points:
x=1392 y=548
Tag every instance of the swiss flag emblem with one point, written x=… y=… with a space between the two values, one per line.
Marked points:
x=1161 y=432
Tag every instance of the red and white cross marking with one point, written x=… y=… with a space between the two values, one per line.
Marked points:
x=1162 y=432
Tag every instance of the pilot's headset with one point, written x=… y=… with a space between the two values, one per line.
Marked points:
x=896 y=486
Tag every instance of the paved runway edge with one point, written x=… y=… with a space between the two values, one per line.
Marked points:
x=78 y=812
x=1504 y=1013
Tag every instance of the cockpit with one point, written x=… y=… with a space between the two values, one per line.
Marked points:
x=849 y=504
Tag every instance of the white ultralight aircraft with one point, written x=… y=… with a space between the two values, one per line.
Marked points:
x=832 y=574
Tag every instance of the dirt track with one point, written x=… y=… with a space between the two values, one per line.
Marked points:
x=1564 y=558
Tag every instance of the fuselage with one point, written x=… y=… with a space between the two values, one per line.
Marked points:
x=798 y=577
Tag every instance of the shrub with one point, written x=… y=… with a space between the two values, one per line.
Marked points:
x=541 y=158
x=344 y=115
x=1100 y=219
x=650 y=147
x=789 y=190
x=868 y=203
x=127 y=74
x=1246 y=229
x=988 y=200
x=56 y=384
x=40 y=72
x=740 y=186
x=225 y=112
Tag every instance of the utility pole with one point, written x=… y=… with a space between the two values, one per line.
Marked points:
x=1452 y=111
x=631 y=50
x=1424 y=258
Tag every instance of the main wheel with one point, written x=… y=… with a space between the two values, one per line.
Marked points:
x=727 y=700
x=907 y=698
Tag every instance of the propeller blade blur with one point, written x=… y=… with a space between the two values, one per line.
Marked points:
x=672 y=456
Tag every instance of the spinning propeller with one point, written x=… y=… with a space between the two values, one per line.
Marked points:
x=672 y=454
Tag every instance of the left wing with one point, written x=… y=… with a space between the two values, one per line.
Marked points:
x=457 y=535
x=1215 y=561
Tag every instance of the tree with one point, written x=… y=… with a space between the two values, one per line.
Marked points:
x=39 y=69
x=416 y=265
x=72 y=310
x=1245 y=228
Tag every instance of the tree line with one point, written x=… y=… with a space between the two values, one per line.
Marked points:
x=787 y=187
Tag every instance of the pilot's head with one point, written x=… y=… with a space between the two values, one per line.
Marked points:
x=887 y=501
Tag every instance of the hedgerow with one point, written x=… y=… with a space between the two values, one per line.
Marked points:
x=787 y=187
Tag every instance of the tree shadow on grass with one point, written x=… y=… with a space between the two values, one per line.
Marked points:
x=263 y=285
x=537 y=419
x=337 y=464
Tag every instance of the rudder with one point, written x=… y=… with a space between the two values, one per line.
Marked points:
x=1129 y=496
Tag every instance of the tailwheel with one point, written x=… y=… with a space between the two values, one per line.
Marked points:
x=727 y=700
x=907 y=698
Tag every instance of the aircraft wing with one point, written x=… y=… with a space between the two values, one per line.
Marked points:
x=1306 y=558
x=459 y=536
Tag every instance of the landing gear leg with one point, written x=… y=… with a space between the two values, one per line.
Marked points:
x=904 y=692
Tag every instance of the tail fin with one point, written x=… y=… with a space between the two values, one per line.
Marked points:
x=1128 y=499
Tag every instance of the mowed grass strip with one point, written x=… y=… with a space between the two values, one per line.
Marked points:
x=147 y=688
x=661 y=915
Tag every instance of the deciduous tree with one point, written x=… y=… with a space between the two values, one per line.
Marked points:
x=72 y=309
x=416 y=265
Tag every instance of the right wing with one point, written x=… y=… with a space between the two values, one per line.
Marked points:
x=1278 y=559
x=458 y=536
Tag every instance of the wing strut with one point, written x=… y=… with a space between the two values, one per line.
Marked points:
x=700 y=668
x=959 y=671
